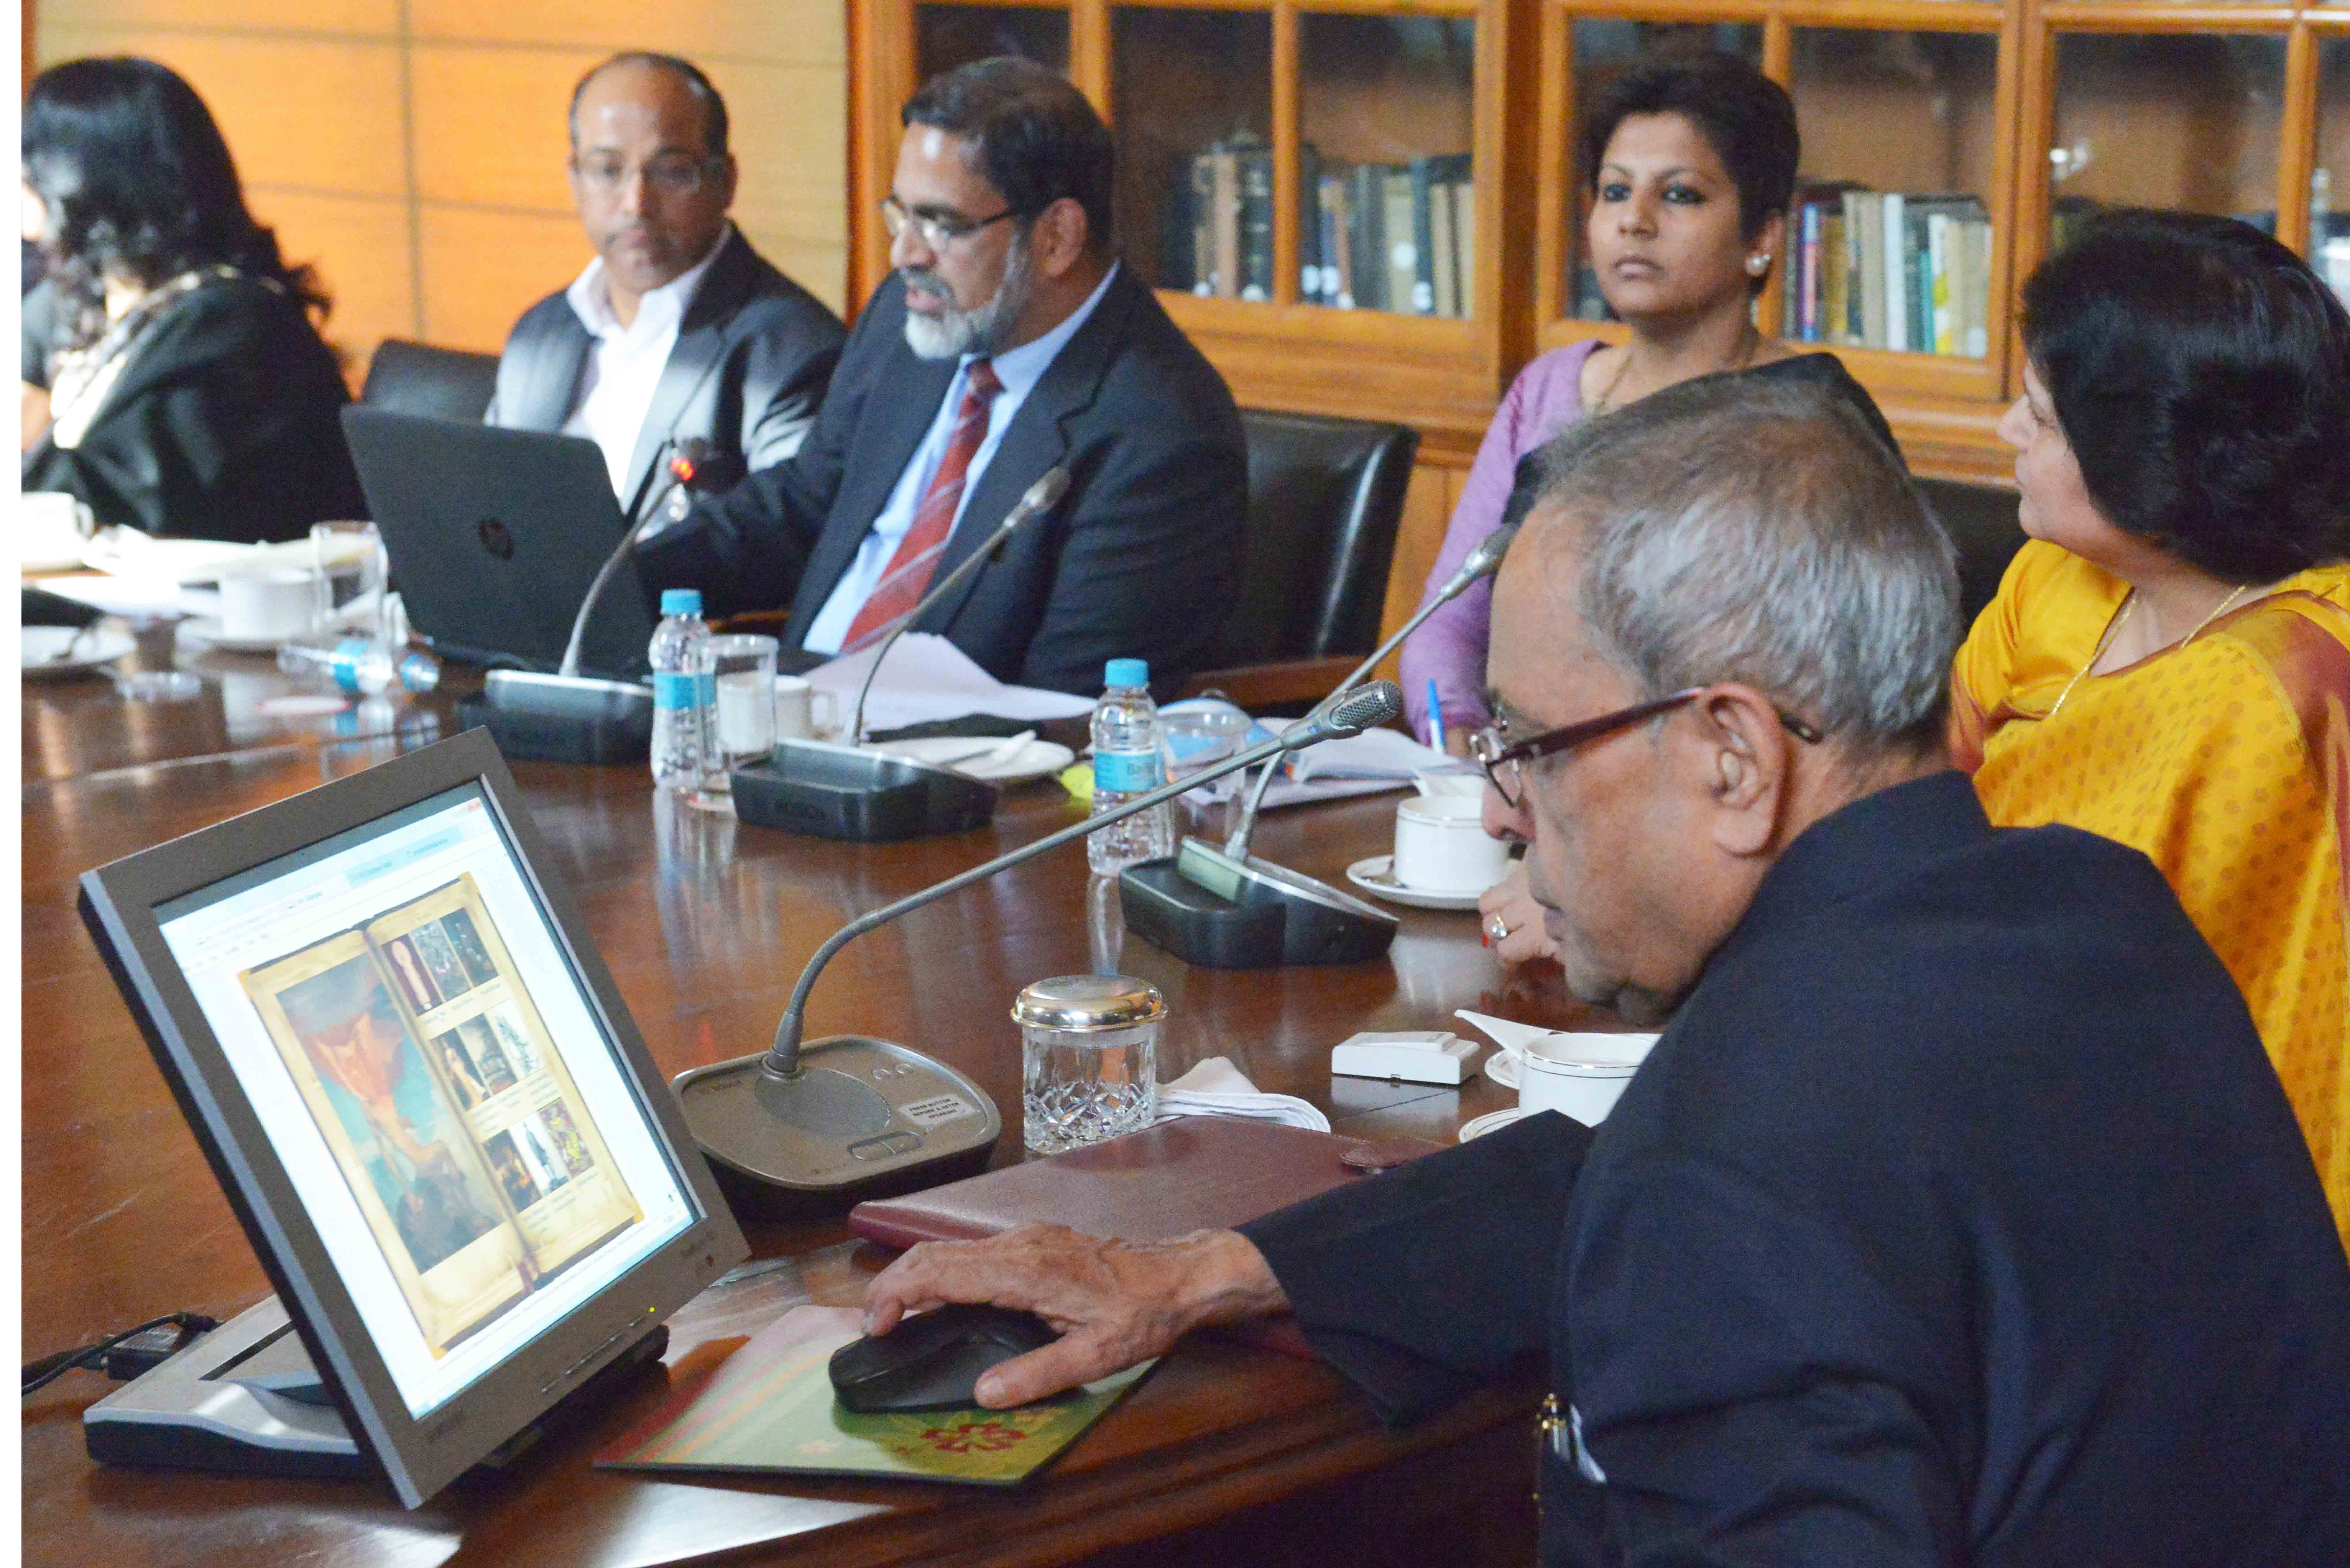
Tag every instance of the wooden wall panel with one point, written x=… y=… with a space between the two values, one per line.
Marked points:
x=709 y=30
x=490 y=125
x=360 y=246
x=482 y=268
x=448 y=234
x=310 y=113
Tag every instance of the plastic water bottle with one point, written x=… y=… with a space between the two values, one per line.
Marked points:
x=361 y=666
x=684 y=693
x=1130 y=759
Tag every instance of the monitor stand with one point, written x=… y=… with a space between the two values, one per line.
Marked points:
x=245 y=1398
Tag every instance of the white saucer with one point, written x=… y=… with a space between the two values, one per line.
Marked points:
x=1377 y=878
x=1491 y=1121
x=206 y=629
x=1502 y=1067
x=1036 y=760
x=99 y=645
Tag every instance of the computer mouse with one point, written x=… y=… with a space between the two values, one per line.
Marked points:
x=931 y=1361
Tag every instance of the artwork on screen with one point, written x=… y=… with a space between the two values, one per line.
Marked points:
x=447 y=1105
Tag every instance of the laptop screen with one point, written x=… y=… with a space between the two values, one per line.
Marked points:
x=454 y=1118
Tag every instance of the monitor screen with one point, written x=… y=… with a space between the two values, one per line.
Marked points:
x=423 y=1094
x=423 y=1058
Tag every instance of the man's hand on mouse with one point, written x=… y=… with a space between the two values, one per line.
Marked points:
x=1113 y=1303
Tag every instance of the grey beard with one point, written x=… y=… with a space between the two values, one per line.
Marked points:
x=953 y=333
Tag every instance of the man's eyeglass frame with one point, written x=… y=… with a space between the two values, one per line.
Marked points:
x=1494 y=752
x=934 y=228
x=672 y=175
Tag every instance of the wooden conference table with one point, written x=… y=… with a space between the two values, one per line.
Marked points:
x=1226 y=1454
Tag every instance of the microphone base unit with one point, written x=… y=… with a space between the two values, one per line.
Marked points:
x=1210 y=909
x=562 y=718
x=862 y=1118
x=829 y=790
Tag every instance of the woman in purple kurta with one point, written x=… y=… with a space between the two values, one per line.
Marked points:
x=1691 y=164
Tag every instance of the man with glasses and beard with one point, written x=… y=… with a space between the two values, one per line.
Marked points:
x=680 y=351
x=1007 y=342
x=1956 y=1216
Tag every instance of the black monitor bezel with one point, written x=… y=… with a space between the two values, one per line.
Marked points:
x=417 y=1456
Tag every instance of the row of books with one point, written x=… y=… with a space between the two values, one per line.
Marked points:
x=1371 y=236
x=1884 y=269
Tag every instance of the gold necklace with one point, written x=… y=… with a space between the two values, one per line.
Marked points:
x=2115 y=630
x=1748 y=343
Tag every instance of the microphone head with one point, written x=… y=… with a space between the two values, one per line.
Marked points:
x=1486 y=558
x=1043 y=494
x=1365 y=708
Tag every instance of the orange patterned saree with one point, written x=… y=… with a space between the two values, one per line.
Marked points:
x=2225 y=759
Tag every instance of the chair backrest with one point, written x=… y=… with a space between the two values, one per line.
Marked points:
x=1326 y=496
x=439 y=383
x=1981 y=521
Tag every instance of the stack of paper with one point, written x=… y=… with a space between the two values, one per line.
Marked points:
x=928 y=679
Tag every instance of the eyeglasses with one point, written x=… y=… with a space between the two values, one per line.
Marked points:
x=935 y=230
x=671 y=174
x=1501 y=757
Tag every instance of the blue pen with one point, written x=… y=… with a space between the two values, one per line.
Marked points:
x=1435 y=717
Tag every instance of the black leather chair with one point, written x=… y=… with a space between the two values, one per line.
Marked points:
x=442 y=383
x=1981 y=520
x=1325 y=497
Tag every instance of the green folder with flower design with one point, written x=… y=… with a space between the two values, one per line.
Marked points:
x=769 y=1408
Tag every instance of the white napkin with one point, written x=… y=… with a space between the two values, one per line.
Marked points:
x=1513 y=1038
x=1217 y=1088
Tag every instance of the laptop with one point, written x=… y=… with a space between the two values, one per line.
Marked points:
x=495 y=537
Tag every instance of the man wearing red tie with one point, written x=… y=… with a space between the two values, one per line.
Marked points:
x=1007 y=342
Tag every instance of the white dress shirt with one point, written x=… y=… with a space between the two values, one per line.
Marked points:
x=1019 y=370
x=624 y=366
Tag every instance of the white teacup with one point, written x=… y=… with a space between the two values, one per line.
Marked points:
x=1579 y=1075
x=1441 y=846
x=267 y=604
x=802 y=712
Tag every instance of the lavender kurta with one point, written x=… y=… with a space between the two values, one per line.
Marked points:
x=1546 y=398
x=1450 y=646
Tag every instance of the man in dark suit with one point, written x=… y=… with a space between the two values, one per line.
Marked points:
x=680 y=351
x=1008 y=342
x=1957 y=1217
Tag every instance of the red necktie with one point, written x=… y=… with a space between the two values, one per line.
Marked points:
x=909 y=574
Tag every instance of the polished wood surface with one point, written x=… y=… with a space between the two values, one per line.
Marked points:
x=1226 y=1453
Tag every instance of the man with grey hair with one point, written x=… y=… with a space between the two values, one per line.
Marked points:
x=1956 y=1216
x=1009 y=341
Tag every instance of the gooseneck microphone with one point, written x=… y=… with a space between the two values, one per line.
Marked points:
x=1040 y=497
x=851 y=1111
x=573 y=717
x=1481 y=563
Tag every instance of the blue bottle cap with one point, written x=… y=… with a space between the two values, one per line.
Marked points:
x=1127 y=672
x=681 y=601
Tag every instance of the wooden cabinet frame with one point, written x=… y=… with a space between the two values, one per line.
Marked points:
x=1444 y=376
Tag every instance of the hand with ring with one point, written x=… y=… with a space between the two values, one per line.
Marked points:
x=1512 y=922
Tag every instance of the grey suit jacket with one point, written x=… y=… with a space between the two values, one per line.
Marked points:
x=752 y=357
x=1141 y=558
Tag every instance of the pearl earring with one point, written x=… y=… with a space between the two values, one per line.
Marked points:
x=1758 y=263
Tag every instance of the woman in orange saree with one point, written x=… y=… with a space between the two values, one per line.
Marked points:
x=2167 y=662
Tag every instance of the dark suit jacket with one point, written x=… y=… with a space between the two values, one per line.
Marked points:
x=747 y=374
x=1140 y=559
x=224 y=424
x=1957 y=1218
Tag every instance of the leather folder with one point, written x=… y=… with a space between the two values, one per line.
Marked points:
x=1190 y=1174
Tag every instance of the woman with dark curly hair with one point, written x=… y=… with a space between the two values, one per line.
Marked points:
x=2168 y=662
x=172 y=377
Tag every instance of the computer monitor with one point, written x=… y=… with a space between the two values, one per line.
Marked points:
x=423 y=1095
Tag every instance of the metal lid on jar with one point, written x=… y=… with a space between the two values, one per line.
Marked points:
x=1089 y=1002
